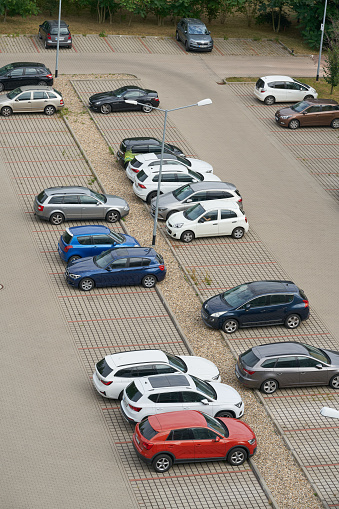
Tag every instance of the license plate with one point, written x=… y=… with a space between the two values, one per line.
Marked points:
x=237 y=374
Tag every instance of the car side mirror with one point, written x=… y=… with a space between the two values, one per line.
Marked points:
x=185 y=31
x=109 y=269
x=201 y=220
x=217 y=439
x=98 y=203
x=205 y=401
x=304 y=112
x=188 y=200
x=247 y=306
x=209 y=32
x=319 y=366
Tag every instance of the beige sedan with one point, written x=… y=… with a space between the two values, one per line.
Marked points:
x=31 y=99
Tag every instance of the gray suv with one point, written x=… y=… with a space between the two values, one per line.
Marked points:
x=187 y=195
x=59 y=204
x=194 y=34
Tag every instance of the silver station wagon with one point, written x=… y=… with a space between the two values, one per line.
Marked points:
x=59 y=204
x=30 y=99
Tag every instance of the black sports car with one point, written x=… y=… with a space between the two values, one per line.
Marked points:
x=106 y=102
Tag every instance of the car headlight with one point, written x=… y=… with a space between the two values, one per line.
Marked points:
x=74 y=276
x=96 y=104
x=239 y=405
x=252 y=441
x=178 y=225
x=126 y=207
x=285 y=116
x=162 y=208
x=219 y=313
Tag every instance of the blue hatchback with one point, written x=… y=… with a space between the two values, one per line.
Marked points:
x=256 y=303
x=91 y=240
x=117 y=267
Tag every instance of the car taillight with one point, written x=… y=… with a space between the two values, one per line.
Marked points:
x=61 y=102
x=49 y=76
x=69 y=37
x=306 y=303
x=67 y=248
x=105 y=383
x=136 y=409
x=262 y=91
x=240 y=200
x=245 y=219
x=162 y=267
x=41 y=208
x=135 y=170
x=141 y=185
x=249 y=372
x=147 y=445
x=49 y=36
x=156 y=99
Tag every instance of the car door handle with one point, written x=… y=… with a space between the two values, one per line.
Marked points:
x=214 y=224
x=234 y=221
x=303 y=373
x=279 y=373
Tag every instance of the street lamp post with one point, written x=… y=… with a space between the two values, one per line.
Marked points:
x=200 y=103
x=57 y=51
x=321 y=41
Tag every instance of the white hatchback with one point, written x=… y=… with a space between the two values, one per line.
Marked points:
x=171 y=393
x=146 y=182
x=152 y=162
x=271 y=89
x=114 y=372
x=210 y=219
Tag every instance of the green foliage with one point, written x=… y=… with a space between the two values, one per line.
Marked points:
x=331 y=68
x=18 y=7
x=310 y=16
x=273 y=12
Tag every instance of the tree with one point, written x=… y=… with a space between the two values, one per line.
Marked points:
x=273 y=11
x=331 y=68
x=310 y=16
x=18 y=7
x=249 y=8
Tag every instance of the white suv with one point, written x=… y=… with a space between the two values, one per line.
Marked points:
x=114 y=372
x=171 y=393
x=152 y=162
x=271 y=89
x=146 y=182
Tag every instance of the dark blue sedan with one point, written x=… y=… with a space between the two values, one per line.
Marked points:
x=117 y=267
x=256 y=303
x=91 y=240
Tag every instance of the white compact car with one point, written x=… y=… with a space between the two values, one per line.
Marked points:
x=210 y=219
x=114 y=372
x=271 y=89
x=152 y=162
x=171 y=393
x=146 y=182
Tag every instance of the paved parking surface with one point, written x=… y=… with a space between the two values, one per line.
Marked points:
x=216 y=264
x=39 y=152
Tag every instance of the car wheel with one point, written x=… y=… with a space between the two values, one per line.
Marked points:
x=292 y=321
x=225 y=413
x=105 y=108
x=334 y=382
x=150 y=197
x=230 y=326
x=294 y=124
x=162 y=463
x=147 y=108
x=49 y=110
x=187 y=236
x=237 y=456
x=269 y=386
x=308 y=97
x=177 y=36
x=2 y=86
x=269 y=100
x=149 y=281
x=73 y=258
x=86 y=284
x=171 y=212
x=41 y=83
x=238 y=233
x=335 y=123
x=113 y=216
x=6 y=111
x=186 y=46
x=57 y=218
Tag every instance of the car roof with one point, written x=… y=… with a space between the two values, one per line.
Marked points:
x=166 y=382
x=218 y=204
x=121 y=252
x=283 y=348
x=90 y=229
x=175 y=420
x=25 y=64
x=136 y=357
x=150 y=156
x=172 y=168
x=67 y=190
x=269 y=286
x=55 y=22
x=129 y=141
x=194 y=21
x=198 y=186
x=321 y=101
x=277 y=78
x=28 y=88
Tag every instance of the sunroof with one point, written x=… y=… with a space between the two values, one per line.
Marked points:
x=167 y=381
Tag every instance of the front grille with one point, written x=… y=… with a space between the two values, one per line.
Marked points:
x=67 y=273
x=204 y=314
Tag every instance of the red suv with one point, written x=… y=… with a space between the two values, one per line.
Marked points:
x=190 y=436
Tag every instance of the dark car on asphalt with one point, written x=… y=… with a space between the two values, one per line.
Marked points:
x=130 y=147
x=48 y=32
x=310 y=112
x=194 y=34
x=287 y=364
x=105 y=102
x=117 y=267
x=256 y=303
x=19 y=74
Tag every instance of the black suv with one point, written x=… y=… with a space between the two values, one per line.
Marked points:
x=19 y=74
x=48 y=32
x=130 y=147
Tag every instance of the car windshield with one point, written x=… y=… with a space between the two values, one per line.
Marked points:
x=317 y=353
x=184 y=161
x=119 y=92
x=216 y=425
x=249 y=358
x=176 y=362
x=63 y=31
x=119 y=239
x=204 y=387
x=194 y=212
x=237 y=296
x=196 y=175
x=103 y=259
x=132 y=392
x=14 y=93
x=300 y=106
x=197 y=30
x=183 y=192
x=99 y=196
x=146 y=429
x=5 y=68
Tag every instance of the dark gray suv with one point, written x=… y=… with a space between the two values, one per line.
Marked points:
x=194 y=34
x=48 y=32
x=59 y=204
x=287 y=364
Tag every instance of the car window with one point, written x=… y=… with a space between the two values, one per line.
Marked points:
x=290 y=85
x=200 y=196
x=317 y=353
x=119 y=264
x=25 y=96
x=270 y=363
x=203 y=434
x=142 y=176
x=51 y=95
x=146 y=262
x=63 y=31
x=146 y=429
x=40 y=95
x=181 y=434
x=212 y=215
x=67 y=237
x=88 y=200
x=313 y=109
x=85 y=240
x=102 y=239
x=170 y=397
x=146 y=370
x=17 y=72
x=216 y=425
x=249 y=358
x=278 y=84
x=217 y=195
x=30 y=71
x=259 y=302
x=183 y=177
x=103 y=368
x=326 y=107
x=307 y=362
x=135 y=262
x=228 y=214
x=132 y=392
x=192 y=397
x=165 y=177
x=277 y=298
x=162 y=369
x=127 y=373
x=153 y=397
x=71 y=199
x=56 y=199
x=204 y=387
x=286 y=362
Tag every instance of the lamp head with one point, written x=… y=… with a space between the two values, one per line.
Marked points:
x=204 y=102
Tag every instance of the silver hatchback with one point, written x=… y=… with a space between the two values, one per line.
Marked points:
x=30 y=99
x=59 y=204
